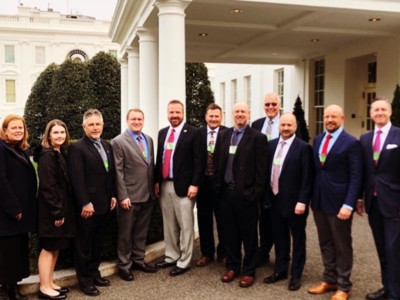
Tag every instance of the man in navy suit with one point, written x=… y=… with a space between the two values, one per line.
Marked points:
x=177 y=177
x=291 y=170
x=240 y=179
x=207 y=199
x=381 y=154
x=337 y=186
x=268 y=125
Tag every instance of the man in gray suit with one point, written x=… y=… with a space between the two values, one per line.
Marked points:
x=134 y=163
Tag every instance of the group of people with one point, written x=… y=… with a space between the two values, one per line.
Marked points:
x=257 y=181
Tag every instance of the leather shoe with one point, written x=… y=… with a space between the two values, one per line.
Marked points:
x=340 y=295
x=275 y=278
x=100 y=281
x=62 y=290
x=90 y=290
x=228 y=276
x=144 y=268
x=246 y=281
x=42 y=295
x=125 y=275
x=377 y=295
x=294 y=284
x=176 y=271
x=322 y=288
x=204 y=261
x=164 y=264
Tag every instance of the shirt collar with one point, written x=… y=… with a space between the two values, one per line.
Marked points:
x=289 y=141
x=385 y=129
x=334 y=134
x=209 y=130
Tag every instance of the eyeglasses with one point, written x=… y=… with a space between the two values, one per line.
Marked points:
x=273 y=104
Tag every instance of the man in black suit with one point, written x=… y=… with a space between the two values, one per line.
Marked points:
x=337 y=186
x=268 y=125
x=291 y=169
x=240 y=179
x=178 y=172
x=92 y=175
x=207 y=200
x=381 y=154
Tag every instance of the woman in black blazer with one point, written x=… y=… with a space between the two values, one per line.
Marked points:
x=17 y=205
x=56 y=224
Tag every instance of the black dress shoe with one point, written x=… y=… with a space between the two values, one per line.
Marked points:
x=294 y=284
x=13 y=292
x=144 y=268
x=164 y=264
x=90 y=290
x=275 y=278
x=62 y=290
x=178 y=271
x=377 y=295
x=125 y=275
x=42 y=295
x=100 y=281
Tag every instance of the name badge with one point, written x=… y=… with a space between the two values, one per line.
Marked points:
x=170 y=146
x=232 y=149
x=376 y=155
x=322 y=158
x=106 y=164
x=278 y=161
x=268 y=137
x=144 y=154
x=210 y=148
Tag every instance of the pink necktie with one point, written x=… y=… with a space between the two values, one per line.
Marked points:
x=276 y=169
x=377 y=146
x=167 y=154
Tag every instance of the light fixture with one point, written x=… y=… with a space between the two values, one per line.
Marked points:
x=203 y=34
x=236 y=11
x=374 y=19
x=314 y=40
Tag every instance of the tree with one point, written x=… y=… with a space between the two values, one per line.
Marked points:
x=198 y=93
x=36 y=108
x=301 y=121
x=395 y=118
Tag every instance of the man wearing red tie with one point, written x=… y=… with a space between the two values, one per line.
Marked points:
x=338 y=169
x=178 y=173
x=381 y=154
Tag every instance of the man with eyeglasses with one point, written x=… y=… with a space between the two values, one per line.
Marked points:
x=268 y=125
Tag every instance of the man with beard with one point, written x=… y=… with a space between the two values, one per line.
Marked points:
x=338 y=167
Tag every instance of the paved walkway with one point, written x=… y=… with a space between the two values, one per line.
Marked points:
x=204 y=283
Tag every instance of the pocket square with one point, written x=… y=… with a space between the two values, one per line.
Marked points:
x=391 y=146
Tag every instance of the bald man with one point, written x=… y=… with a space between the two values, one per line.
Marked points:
x=338 y=181
x=240 y=177
x=291 y=170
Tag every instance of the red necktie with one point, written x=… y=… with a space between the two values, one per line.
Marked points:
x=168 y=154
x=324 y=151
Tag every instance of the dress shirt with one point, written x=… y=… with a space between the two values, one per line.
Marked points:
x=178 y=130
x=332 y=141
x=144 y=141
x=385 y=131
x=209 y=134
x=275 y=126
x=239 y=134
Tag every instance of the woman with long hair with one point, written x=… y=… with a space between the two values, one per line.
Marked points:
x=18 y=188
x=56 y=224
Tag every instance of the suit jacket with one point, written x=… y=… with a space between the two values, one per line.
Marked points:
x=90 y=180
x=296 y=178
x=17 y=192
x=134 y=173
x=186 y=159
x=385 y=177
x=258 y=125
x=249 y=163
x=339 y=180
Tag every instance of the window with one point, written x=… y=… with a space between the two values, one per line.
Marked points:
x=40 y=55
x=9 y=54
x=113 y=53
x=222 y=97
x=10 y=91
x=319 y=86
x=247 y=89
x=77 y=55
x=370 y=98
x=372 y=72
x=280 y=84
x=234 y=90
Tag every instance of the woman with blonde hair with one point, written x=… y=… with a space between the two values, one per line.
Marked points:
x=17 y=205
x=56 y=224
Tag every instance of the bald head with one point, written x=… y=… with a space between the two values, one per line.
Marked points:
x=241 y=114
x=287 y=125
x=333 y=117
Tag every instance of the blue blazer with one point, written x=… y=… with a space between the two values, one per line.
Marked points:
x=339 y=180
x=385 y=176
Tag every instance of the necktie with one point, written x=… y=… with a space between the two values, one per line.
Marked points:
x=276 y=169
x=377 y=146
x=168 y=154
x=324 y=152
x=268 y=132
x=210 y=155
x=229 y=162
x=141 y=146
x=102 y=152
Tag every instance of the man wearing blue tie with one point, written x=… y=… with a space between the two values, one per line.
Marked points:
x=338 y=179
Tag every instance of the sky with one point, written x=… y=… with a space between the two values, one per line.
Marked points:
x=100 y=9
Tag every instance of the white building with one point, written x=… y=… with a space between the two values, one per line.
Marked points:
x=33 y=39
x=342 y=52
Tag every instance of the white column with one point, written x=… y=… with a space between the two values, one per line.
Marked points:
x=124 y=92
x=171 y=30
x=133 y=77
x=148 y=79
